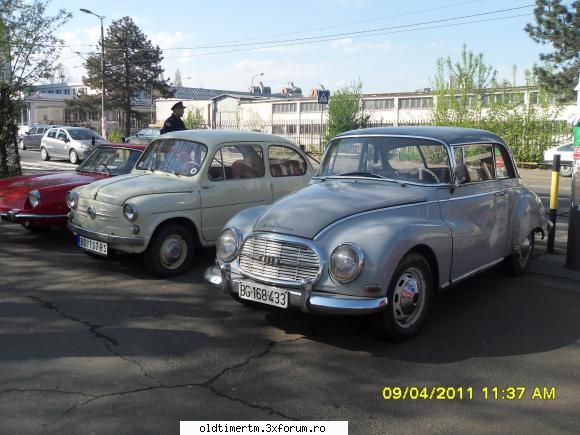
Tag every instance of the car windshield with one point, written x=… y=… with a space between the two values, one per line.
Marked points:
x=111 y=161
x=83 y=134
x=396 y=158
x=175 y=156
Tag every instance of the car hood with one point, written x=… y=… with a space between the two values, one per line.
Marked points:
x=20 y=186
x=119 y=189
x=306 y=212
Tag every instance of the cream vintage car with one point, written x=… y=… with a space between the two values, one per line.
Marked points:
x=182 y=191
x=395 y=214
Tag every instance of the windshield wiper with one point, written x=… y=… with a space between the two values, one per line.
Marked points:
x=363 y=174
x=107 y=168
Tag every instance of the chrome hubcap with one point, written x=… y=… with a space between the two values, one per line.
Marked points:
x=173 y=251
x=409 y=297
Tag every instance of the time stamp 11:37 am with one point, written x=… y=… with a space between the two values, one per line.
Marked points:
x=491 y=392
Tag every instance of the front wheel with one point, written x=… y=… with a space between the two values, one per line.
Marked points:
x=409 y=298
x=519 y=261
x=170 y=252
x=44 y=154
x=21 y=145
x=73 y=157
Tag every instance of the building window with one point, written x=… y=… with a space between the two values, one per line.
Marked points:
x=284 y=108
x=311 y=107
x=384 y=104
x=416 y=103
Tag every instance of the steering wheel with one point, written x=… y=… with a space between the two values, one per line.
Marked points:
x=191 y=167
x=430 y=172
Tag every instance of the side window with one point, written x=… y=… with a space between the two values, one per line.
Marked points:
x=41 y=131
x=479 y=163
x=61 y=135
x=285 y=162
x=52 y=134
x=237 y=162
x=32 y=130
x=503 y=163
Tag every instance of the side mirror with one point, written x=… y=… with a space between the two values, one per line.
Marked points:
x=66 y=140
x=459 y=180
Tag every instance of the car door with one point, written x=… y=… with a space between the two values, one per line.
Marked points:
x=288 y=170
x=476 y=211
x=49 y=140
x=61 y=143
x=235 y=180
x=27 y=138
x=506 y=176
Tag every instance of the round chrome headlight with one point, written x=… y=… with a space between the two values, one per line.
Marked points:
x=72 y=200
x=228 y=244
x=34 y=198
x=130 y=212
x=346 y=262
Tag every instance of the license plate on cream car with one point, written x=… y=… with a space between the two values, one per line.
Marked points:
x=263 y=294
x=95 y=246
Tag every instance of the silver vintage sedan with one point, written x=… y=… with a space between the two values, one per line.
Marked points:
x=392 y=216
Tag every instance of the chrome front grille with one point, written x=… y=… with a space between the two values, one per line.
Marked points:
x=279 y=261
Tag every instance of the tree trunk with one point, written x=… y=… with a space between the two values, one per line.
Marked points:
x=9 y=158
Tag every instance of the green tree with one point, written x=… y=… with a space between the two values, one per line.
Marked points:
x=558 y=26
x=194 y=120
x=345 y=110
x=460 y=87
x=29 y=51
x=132 y=64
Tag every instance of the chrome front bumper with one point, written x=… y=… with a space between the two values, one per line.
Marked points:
x=108 y=238
x=15 y=216
x=303 y=298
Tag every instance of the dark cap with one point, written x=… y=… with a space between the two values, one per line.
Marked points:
x=178 y=106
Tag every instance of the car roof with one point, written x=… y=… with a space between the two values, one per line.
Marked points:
x=448 y=135
x=216 y=137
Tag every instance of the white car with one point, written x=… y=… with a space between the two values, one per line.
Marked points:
x=182 y=191
x=566 y=152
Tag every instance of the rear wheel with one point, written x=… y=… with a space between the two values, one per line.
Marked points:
x=566 y=170
x=73 y=157
x=519 y=261
x=170 y=252
x=409 y=297
x=44 y=154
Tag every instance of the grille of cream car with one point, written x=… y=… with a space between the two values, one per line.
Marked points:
x=105 y=212
x=279 y=261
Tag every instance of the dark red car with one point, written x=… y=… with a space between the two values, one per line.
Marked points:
x=39 y=201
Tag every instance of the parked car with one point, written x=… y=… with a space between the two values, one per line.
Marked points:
x=566 y=152
x=39 y=201
x=183 y=190
x=72 y=143
x=30 y=140
x=393 y=215
x=144 y=136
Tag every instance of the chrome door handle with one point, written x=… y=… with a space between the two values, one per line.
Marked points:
x=502 y=193
x=207 y=187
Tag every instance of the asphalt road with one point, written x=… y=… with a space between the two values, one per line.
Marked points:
x=98 y=346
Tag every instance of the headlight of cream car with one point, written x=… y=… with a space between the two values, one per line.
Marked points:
x=34 y=198
x=346 y=262
x=72 y=200
x=130 y=211
x=228 y=244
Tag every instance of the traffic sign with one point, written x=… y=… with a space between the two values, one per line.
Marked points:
x=323 y=96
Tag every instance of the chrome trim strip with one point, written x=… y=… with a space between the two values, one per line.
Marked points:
x=476 y=195
x=284 y=238
x=475 y=271
x=40 y=216
x=102 y=237
x=385 y=180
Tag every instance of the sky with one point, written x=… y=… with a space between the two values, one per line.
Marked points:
x=390 y=46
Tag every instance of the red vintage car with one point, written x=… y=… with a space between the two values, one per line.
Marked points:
x=39 y=201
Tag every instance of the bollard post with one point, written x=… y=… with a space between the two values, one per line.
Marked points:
x=554 y=201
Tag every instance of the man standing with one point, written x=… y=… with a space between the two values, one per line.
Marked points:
x=174 y=122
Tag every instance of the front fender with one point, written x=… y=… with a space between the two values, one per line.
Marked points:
x=386 y=236
x=528 y=214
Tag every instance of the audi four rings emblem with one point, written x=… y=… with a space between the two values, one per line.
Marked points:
x=269 y=260
x=92 y=212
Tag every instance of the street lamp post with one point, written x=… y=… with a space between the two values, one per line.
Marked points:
x=252 y=83
x=103 y=119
